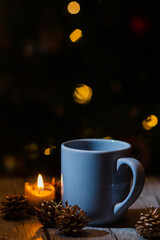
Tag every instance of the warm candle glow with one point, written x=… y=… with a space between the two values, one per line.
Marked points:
x=40 y=183
x=39 y=191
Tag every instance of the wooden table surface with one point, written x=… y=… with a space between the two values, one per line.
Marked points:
x=31 y=229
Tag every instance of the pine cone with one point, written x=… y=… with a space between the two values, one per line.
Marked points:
x=71 y=220
x=149 y=224
x=57 y=185
x=47 y=213
x=15 y=207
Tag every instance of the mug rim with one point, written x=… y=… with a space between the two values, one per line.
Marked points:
x=126 y=147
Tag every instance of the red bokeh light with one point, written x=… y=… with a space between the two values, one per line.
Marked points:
x=139 y=25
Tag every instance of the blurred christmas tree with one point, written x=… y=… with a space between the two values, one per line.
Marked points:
x=77 y=70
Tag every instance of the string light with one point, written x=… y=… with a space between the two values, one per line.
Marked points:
x=76 y=35
x=150 y=122
x=47 y=151
x=145 y=125
x=73 y=7
x=82 y=94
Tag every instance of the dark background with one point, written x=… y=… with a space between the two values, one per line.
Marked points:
x=118 y=57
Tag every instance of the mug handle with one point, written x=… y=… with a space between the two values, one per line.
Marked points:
x=137 y=185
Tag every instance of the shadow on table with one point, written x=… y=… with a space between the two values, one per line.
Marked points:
x=50 y=234
x=128 y=220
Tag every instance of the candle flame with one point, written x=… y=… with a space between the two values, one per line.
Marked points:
x=40 y=183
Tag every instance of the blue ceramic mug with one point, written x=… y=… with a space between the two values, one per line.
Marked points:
x=96 y=176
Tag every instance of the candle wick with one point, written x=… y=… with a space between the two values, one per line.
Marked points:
x=39 y=190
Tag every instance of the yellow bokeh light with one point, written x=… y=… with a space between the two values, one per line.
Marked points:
x=150 y=122
x=82 y=94
x=76 y=35
x=107 y=137
x=47 y=151
x=145 y=125
x=73 y=7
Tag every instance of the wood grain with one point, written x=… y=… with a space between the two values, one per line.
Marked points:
x=30 y=229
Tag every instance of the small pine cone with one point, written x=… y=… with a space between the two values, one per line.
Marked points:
x=15 y=207
x=47 y=213
x=57 y=185
x=70 y=220
x=148 y=225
